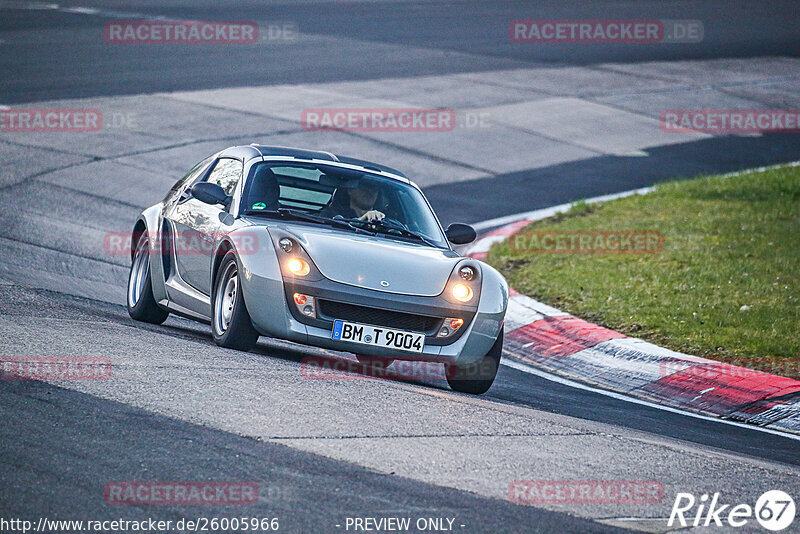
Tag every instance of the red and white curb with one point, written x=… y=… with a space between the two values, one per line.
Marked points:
x=558 y=343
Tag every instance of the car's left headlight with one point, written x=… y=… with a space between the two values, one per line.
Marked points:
x=463 y=293
x=298 y=266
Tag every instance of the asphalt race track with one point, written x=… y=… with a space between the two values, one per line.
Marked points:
x=537 y=126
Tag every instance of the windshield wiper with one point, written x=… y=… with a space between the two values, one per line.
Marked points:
x=341 y=222
x=387 y=228
x=307 y=217
x=301 y=215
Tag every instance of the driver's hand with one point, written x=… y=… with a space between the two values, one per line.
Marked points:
x=372 y=216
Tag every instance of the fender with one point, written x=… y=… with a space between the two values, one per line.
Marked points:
x=491 y=301
x=151 y=219
x=262 y=283
x=488 y=322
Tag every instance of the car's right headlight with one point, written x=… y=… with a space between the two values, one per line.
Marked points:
x=464 y=284
x=294 y=261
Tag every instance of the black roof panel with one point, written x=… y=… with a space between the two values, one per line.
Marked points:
x=268 y=150
x=370 y=165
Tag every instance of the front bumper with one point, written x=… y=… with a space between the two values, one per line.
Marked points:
x=269 y=301
x=377 y=308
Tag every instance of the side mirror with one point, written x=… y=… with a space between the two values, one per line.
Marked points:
x=209 y=193
x=460 y=234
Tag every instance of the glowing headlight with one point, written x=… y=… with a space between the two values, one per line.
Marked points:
x=462 y=292
x=298 y=267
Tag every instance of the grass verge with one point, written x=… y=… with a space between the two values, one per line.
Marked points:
x=725 y=285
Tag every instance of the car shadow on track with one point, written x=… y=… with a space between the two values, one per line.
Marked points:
x=316 y=363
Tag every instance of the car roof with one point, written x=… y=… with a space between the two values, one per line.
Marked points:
x=254 y=150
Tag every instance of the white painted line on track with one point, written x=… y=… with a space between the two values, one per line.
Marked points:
x=525 y=368
x=81 y=10
x=543 y=213
x=762 y=169
x=28 y=5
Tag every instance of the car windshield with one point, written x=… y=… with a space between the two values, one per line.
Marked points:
x=329 y=192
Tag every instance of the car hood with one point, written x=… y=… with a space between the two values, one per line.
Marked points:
x=372 y=262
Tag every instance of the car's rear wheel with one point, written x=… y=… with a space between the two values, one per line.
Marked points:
x=478 y=377
x=142 y=306
x=231 y=325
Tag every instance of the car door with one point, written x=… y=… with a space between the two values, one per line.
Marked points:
x=196 y=225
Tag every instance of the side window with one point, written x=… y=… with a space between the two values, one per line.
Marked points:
x=188 y=178
x=226 y=174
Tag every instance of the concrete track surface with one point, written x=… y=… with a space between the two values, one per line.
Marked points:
x=537 y=126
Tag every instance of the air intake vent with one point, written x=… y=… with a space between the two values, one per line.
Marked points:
x=375 y=316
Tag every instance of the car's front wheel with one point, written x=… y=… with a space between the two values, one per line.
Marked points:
x=142 y=306
x=231 y=325
x=477 y=378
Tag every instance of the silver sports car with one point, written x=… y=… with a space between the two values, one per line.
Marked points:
x=319 y=249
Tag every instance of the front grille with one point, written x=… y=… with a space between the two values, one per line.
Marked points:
x=378 y=317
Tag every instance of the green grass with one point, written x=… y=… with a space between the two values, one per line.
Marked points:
x=728 y=242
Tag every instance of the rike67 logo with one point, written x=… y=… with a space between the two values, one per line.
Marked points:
x=774 y=510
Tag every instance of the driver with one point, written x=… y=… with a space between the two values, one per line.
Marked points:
x=357 y=203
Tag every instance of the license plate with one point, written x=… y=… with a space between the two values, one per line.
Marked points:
x=378 y=336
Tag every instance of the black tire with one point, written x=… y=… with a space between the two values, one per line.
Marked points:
x=142 y=306
x=478 y=377
x=231 y=325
